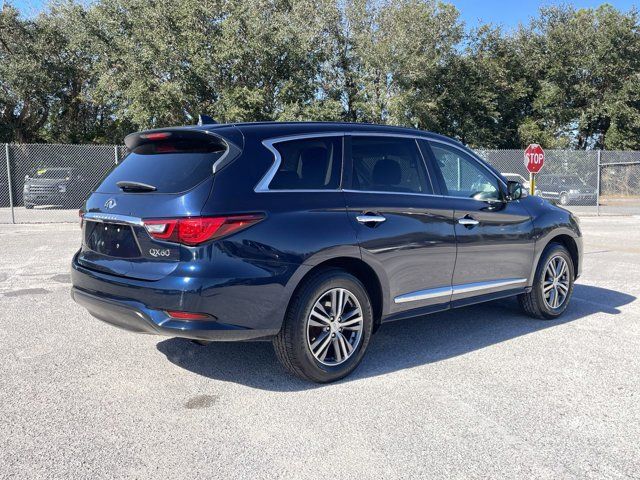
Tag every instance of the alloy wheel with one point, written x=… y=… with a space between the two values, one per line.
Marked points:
x=334 y=326
x=556 y=282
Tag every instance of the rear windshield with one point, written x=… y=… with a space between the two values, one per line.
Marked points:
x=171 y=167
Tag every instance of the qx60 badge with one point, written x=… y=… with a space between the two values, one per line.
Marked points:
x=159 y=252
x=110 y=203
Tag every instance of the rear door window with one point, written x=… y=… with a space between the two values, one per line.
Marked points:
x=171 y=167
x=388 y=164
x=308 y=164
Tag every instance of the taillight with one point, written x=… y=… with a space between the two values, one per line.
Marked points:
x=197 y=230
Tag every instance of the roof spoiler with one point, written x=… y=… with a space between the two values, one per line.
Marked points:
x=137 y=139
x=134 y=140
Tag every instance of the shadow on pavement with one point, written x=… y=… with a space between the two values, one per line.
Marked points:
x=396 y=346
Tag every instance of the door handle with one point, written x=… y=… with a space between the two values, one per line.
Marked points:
x=370 y=218
x=468 y=222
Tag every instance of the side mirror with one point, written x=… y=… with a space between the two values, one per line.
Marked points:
x=514 y=190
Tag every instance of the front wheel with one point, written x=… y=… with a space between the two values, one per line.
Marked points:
x=327 y=327
x=552 y=286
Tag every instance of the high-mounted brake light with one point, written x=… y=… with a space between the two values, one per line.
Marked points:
x=196 y=230
x=155 y=135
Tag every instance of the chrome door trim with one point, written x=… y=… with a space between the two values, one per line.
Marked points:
x=488 y=285
x=424 y=295
x=113 y=218
x=458 y=289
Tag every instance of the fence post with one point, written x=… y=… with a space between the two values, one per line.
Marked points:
x=116 y=154
x=9 y=183
x=598 y=185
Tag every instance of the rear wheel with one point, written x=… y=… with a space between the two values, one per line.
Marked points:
x=327 y=327
x=552 y=286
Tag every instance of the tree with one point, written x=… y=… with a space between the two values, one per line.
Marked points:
x=29 y=76
x=580 y=61
x=94 y=72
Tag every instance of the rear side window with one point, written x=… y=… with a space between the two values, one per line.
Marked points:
x=170 y=166
x=388 y=164
x=308 y=164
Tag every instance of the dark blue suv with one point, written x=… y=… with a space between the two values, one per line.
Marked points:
x=312 y=235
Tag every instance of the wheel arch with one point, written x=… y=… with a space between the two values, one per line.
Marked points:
x=570 y=244
x=359 y=269
x=567 y=240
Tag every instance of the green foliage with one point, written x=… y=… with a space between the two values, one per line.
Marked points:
x=92 y=72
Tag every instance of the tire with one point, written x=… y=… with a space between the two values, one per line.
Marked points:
x=293 y=344
x=535 y=303
x=564 y=199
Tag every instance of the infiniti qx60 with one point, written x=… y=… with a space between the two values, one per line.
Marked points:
x=312 y=235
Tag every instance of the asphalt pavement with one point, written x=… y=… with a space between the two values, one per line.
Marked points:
x=479 y=392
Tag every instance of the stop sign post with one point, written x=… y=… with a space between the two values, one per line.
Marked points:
x=533 y=161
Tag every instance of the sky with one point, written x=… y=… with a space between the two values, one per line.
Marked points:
x=510 y=13
x=507 y=13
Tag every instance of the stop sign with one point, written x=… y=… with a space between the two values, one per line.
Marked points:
x=534 y=158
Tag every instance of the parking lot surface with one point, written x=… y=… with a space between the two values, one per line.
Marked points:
x=479 y=392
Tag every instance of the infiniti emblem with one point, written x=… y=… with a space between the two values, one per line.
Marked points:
x=110 y=203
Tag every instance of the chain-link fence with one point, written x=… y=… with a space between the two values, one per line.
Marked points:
x=620 y=182
x=48 y=183
x=568 y=178
x=586 y=182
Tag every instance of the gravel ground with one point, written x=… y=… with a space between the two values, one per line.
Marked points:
x=480 y=392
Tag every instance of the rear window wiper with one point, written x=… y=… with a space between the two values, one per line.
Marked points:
x=129 y=186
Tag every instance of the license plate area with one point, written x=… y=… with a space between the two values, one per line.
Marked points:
x=111 y=239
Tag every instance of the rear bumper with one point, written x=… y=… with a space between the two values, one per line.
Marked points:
x=135 y=317
x=247 y=306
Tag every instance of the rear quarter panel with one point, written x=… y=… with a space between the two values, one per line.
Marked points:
x=300 y=231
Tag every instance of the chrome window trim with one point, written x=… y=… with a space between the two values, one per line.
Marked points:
x=113 y=218
x=263 y=184
x=386 y=134
x=414 y=194
x=214 y=167
x=346 y=190
x=458 y=289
